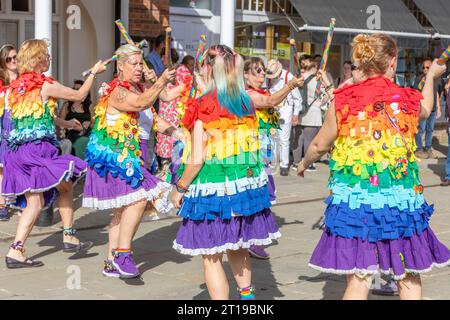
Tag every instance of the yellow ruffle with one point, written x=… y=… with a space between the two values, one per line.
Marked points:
x=263 y=114
x=348 y=151
x=125 y=125
x=31 y=104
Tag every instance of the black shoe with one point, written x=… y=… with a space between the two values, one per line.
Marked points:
x=73 y=248
x=28 y=263
x=284 y=172
x=311 y=168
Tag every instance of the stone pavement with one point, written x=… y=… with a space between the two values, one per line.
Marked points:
x=167 y=275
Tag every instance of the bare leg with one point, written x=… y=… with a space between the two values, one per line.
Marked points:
x=114 y=232
x=65 y=204
x=410 y=288
x=215 y=277
x=241 y=266
x=357 y=288
x=35 y=203
x=129 y=223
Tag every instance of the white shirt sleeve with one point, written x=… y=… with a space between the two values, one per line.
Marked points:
x=295 y=98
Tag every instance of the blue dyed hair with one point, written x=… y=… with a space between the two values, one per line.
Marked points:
x=228 y=74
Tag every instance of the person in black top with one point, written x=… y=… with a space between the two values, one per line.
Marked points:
x=81 y=111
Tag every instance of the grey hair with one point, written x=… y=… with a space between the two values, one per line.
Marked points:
x=125 y=52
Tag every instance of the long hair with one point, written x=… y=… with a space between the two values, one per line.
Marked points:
x=225 y=73
x=4 y=74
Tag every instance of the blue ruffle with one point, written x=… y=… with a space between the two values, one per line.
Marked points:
x=376 y=224
x=247 y=203
x=16 y=139
x=103 y=160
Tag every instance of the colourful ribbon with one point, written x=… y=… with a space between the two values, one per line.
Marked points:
x=326 y=54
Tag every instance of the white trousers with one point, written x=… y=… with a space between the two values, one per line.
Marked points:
x=284 y=135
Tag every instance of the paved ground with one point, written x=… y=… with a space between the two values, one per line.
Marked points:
x=168 y=275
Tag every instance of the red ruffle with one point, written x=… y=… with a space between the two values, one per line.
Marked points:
x=354 y=98
x=206 y=109
x=29 y=81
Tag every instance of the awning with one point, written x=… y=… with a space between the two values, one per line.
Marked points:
x=352 y=18
x=438 y=13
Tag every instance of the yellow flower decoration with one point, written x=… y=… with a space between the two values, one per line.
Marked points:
x=357 y=168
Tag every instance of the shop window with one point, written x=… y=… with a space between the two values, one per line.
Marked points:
x=20 y=5
x=9 y=32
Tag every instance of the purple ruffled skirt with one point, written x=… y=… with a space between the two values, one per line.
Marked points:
x=417 y=254
x=112 y=193
x=209 y=237
x=37 y=167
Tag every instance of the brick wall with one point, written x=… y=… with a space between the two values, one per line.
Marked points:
x=148 y=18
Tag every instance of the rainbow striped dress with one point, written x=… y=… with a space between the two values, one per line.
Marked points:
x=116 y=175
x=227 y=206
x=377 y=219
x=32 y=163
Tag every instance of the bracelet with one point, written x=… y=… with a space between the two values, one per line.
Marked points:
x=329 y=87
x=181 y=188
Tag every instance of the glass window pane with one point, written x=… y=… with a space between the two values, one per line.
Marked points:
x=20 y=5
x=9 y=33
x=198 y=4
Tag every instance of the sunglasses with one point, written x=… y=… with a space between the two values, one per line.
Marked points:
x=353 y=67
x=9 y=59
x=259 y=70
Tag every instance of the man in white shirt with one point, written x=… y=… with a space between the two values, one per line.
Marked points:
x=311 y=118
x=277 y=78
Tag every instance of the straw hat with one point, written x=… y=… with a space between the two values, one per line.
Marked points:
x=274 y=69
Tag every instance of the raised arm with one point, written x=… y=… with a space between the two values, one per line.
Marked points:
x=322 y=143
x=436 y=70
x=126 y=101
x=57 y=90
x=261 y=101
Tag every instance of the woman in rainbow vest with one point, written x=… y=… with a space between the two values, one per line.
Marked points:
x=117 y=178
x=34 y=172
x=377 y=219
x=223 y=192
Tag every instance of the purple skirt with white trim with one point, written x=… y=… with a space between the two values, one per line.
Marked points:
x=209 y=237
x=417 y=254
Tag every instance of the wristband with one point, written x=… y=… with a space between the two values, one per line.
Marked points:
x=181 y=188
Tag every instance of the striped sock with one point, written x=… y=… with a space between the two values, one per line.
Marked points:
x=247 y=293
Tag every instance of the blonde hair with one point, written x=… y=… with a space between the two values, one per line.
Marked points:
x=125 y=52
x=373 y=53
x=31 y=54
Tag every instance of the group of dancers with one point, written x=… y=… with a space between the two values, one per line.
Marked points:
x=377 y=219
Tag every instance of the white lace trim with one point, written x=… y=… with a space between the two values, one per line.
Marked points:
x=390 y=271
x=228 y=187
x=68 y=174
x=159 y=196
x=228 y=246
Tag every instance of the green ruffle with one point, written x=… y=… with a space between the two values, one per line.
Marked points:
x=219 y=171
x=386 y=177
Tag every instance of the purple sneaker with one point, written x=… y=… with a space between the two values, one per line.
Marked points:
x=124 y=263
x=258 y=252
x=389 y=289
x=109 y=270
